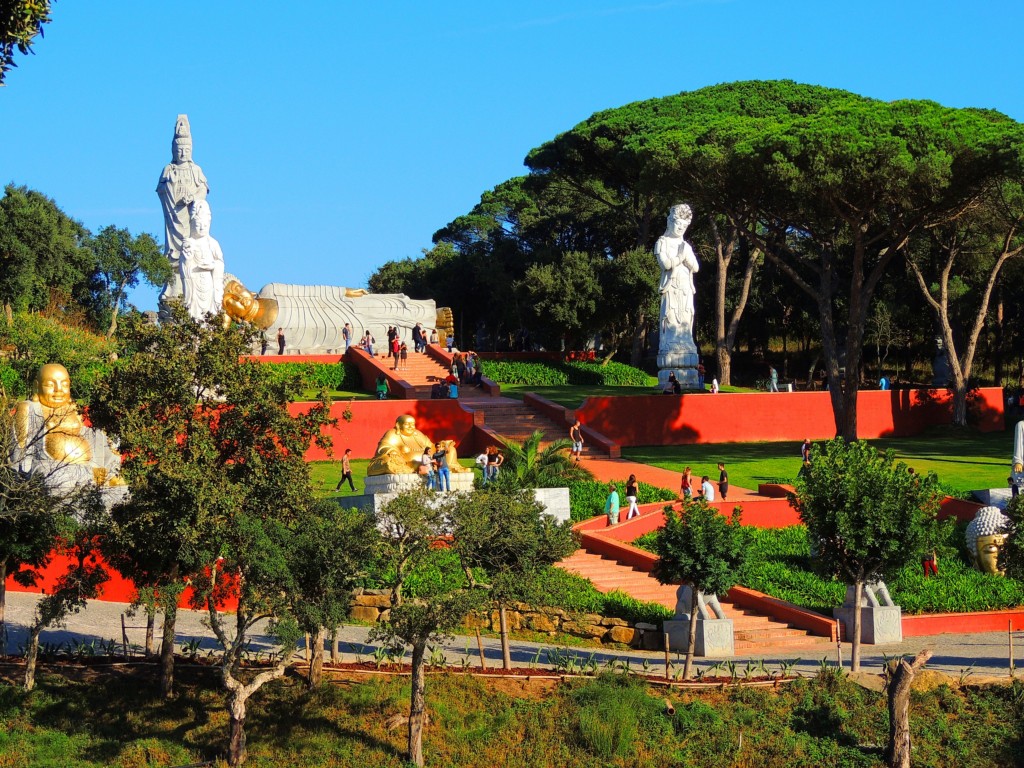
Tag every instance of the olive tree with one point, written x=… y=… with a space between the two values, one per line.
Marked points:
x=704 y=548
x=867 y=516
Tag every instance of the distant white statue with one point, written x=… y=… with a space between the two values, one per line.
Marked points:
x=181 y=184
x=676 y=349
x=202 y=266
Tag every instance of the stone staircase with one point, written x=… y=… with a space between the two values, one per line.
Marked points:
x=516 y=421
x=753 y=633
x=421 y=372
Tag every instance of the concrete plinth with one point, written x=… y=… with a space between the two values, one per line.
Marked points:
x=379 y=484
x=714 y=637
x=879 y=624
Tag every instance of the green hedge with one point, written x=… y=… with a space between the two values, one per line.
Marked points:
x=553 y=374
x=779 y=564
x=587 y=499
x=333 y=376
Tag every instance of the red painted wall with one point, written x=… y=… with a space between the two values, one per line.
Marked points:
x=437 y=419
x=756 y=417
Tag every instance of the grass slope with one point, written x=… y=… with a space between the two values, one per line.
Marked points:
x=612 y=720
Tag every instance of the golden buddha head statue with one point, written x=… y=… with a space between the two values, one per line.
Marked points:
x=53 y=386
x=243 y=305
x=406 y=425
x=985 y=537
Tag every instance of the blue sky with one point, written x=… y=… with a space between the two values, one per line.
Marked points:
x=340 y=135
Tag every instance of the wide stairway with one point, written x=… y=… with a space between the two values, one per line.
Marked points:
x=753 y=633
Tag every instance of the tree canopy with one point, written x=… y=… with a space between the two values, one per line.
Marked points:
x=20 y=22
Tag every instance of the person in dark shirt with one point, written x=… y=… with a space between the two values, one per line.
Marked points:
x=723 y=481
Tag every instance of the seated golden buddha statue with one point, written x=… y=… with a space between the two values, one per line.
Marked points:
x=51 y=439
x=400 y=449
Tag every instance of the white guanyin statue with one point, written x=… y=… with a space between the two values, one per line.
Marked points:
x=181 y=184
x=201 y=266
x=676 y=349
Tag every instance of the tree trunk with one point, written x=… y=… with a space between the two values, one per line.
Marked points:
x=959 y=403
x=506 y=653
x=997 y=346
x=858 y=592
x=150 y=627
x=901 y=675
x=237 y=753
x=416 y=703
x=32 y=656
x=3 y=608
x=691 y=646
x=167 y=650
x=636 y=350
x=316 y=664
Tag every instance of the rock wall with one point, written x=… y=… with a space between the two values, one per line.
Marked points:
x=372 y=605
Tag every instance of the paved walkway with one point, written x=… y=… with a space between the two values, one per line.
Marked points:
x=956 y=654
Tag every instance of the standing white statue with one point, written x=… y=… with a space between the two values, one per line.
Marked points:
x=181 y=184
x=676 y=349
x=201 y=266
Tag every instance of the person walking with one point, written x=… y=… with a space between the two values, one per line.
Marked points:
x=576 y=436
x=611 y=506
x=707 y=490
x=264 y=342
x=723 y=480
x=444 y=474
x=686 y=486
x=773 y=379
x=805 y=451
x=631 y=494
x=419 y=343
x=346 y=471
x=346 y=334
x=280 y=341
x=368 y=342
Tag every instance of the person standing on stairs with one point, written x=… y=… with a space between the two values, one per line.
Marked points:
x=403 y=353
x=576 y=436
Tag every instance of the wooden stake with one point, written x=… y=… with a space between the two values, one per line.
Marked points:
x=124 y=638
x=480 y=645
x=839 y=642
x=668 y=665
x=1009 y=635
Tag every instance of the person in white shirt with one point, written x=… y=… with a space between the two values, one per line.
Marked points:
x=707 y=490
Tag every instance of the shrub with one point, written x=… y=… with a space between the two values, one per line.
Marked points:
x=553 y=374
x=33 y=340
x=332 y=376
x=612 y=712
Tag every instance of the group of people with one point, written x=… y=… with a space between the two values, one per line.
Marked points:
x=396 y=348
x=611 y=506
x=706 y=490
x=465 y=372
x=490 y=462
x=434 y=466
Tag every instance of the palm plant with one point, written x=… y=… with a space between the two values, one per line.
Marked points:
x=527 y=465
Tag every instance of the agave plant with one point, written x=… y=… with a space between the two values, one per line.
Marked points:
x=527 y=465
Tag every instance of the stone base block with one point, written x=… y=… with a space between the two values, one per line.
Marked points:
x=687 y=377
x=878 y=625
x=714 y=637
x=378 y=484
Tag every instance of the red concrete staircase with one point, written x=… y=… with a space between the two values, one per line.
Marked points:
x=754 y=634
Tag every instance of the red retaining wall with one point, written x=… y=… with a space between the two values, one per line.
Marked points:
x=438 y=419
x=762 y=416
x=963 y=623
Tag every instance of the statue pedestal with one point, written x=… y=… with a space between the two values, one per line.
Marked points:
x=381 y=484
x=682 y=358
x=714 y=636
x=880 y=620
x=878 y=624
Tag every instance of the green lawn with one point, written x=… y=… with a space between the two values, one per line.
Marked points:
x=964 y=461
x=573 y=395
